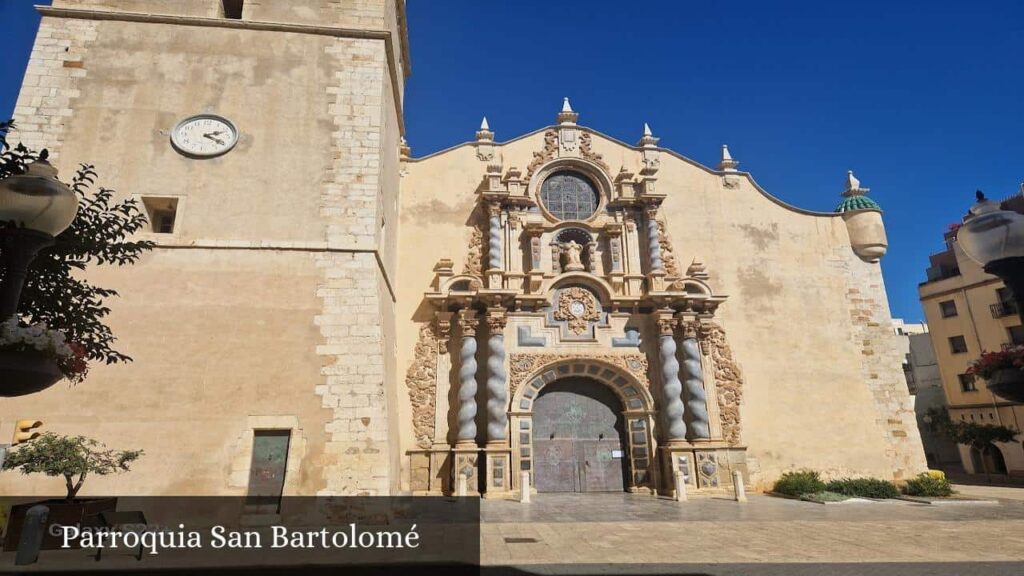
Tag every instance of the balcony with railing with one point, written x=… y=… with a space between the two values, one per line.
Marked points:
x=1002 y=309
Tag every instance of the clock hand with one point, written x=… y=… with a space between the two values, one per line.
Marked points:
x=210 y=136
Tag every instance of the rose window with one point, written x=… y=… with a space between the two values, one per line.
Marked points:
x=569 y=196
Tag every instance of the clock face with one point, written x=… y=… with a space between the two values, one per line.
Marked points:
x=204 y=136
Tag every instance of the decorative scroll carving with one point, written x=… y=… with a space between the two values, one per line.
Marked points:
x=420 y=379
x=587 y=152
x=578 y=308
x=547 y=153
x=474 y=254
x=667 y=254
x=728 y=381
x=524 y=365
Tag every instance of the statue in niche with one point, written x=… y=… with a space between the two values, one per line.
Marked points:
x=573 y=259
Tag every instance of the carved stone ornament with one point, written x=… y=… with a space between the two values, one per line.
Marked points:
x=587 y=152
x=666 y=326
x=496 y=320
x=728 y=381
x=485 y=153
x=420 y=379
x=572 y=251
x=524 y=365
x=667 y=255
x=468 y=322
x=690 y=328
x=547 y=153
x=474 y=253
x=577 y=307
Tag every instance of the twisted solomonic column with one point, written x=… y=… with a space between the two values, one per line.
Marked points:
x=696 y=399
x=467 y=378
x=673 y=388
x=497 y=391
x=654 y=241
x=494 y=238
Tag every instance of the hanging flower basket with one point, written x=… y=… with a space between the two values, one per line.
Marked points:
x=1004 y=371
x=1008 y=383
x=34 y=357
x=26 y=373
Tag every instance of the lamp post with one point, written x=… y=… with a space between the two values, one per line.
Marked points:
x=34 y=208
x=994 y=238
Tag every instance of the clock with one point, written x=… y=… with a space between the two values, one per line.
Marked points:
x=204 y=136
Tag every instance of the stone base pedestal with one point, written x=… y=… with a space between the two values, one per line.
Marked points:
x=430 y=471
x=466 y=462
x=499 y=461
x=706 y=466
x=495 y=278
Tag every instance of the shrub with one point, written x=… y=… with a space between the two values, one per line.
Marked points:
x=928 y=485
x=799 y=483
x=824 y=497
x=863 y=488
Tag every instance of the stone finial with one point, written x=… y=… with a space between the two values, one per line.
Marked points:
x=567 y=115
x=727 y=163
x=853 y=187
x=648 y=140
x=697 y=270
x=484 y=134
x=404 y=151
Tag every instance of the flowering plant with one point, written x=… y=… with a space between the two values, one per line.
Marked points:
x=992 y=362
x=40 y=339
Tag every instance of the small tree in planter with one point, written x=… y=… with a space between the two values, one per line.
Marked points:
x=1003 y=371
x=73 y=457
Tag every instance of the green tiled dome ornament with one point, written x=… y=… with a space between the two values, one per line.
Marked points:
x=854 y=197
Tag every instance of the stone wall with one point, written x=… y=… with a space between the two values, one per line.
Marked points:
x=268 y=305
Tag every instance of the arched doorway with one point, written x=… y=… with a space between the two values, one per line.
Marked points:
x=988 y=460
x=579 y=438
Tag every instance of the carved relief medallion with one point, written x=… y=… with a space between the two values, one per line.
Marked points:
x=577 y=307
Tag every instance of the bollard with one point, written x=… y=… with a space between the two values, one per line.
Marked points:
x=31 y=535
x=524 y=487
x=460 y=485
x=680 y=486
x=737 y=484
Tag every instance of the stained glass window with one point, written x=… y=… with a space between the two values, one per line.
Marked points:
x=569 y=196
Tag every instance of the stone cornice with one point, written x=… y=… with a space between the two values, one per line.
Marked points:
x=337 y=32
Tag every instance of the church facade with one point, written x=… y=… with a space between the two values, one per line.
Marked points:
x=327 y=314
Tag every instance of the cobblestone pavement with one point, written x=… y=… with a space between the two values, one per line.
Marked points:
x=611 y=533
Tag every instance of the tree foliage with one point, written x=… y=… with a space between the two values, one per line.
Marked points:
x=55 y=292
x=971 y=434
x=73 y=457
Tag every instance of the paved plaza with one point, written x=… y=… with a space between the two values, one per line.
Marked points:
x=614 y=533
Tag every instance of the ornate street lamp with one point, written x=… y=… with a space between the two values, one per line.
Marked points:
x=994 y=238
x=34 y=208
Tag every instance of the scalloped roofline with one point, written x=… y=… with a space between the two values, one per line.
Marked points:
x=669 y=151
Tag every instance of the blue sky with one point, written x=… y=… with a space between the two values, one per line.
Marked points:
x=921 y=99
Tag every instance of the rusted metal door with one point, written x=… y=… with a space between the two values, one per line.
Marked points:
x=578 y=438
x=266 y=474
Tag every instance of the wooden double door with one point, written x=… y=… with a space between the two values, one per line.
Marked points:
x=579 y=438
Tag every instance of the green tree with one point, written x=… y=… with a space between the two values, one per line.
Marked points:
x=973 y=434
x=55 y=292
x=73 y=457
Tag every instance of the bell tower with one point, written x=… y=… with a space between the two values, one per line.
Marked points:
x=263 y=138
